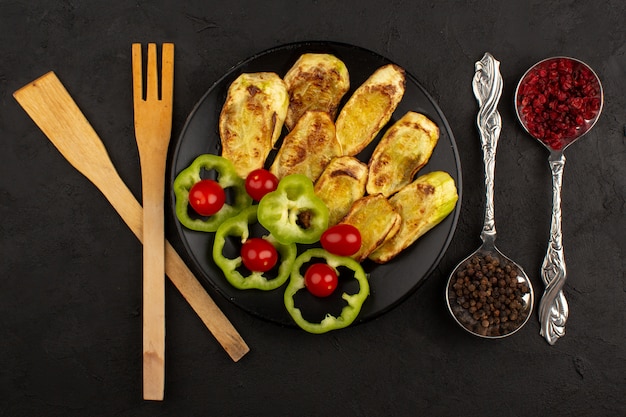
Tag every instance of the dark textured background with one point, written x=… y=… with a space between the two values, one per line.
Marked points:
x=70 y=270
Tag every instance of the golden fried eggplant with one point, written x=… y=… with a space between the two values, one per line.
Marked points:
x=340 y=185
x=369 y=108
x=316 y=82
x=308 y=148
x=252 y=119
x=403 y=150
x=376 y=219
x=422 y=205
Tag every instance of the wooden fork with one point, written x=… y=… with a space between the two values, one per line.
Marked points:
x=153 y=127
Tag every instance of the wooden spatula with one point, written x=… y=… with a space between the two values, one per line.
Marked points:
x=51 y=107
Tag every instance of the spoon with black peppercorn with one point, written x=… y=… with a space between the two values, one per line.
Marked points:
x=488 y=294
x=557 y=101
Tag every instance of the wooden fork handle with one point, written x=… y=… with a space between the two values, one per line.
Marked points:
x=181 y=276
x=54 y=111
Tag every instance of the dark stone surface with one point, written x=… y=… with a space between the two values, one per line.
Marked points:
x=70 y=287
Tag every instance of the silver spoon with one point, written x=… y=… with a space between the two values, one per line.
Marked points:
x=553 y=308
x=488 y=294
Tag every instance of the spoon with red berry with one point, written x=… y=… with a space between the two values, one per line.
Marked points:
x=557 y=101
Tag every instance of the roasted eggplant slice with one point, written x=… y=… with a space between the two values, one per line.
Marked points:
x=316 y=82
x=422 y=205
x=376 y=219
x=370 y=108
x=252 y=119
x=308 y=148
x=340 y=185
x=403 y=150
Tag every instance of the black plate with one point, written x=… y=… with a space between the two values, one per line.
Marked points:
x=390 y=283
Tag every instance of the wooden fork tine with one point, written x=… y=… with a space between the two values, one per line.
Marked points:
x=152 y=83
x=167 y=73
x=137 y=74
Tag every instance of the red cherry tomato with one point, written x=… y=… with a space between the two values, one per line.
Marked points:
x=321 y=280
x=342 y=239
x=207 y=197
x=258 y=255
x=260 y=182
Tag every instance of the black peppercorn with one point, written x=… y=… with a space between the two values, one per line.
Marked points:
x=487 y=297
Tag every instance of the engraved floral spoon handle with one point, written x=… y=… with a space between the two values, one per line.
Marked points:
x=553 y=308
x=487 y=87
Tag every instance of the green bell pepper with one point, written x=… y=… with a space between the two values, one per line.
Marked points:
x=354 y=301
x=227 y=178
x=239 y=226
x=292 y=212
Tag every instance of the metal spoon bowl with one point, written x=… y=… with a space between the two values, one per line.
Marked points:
x=553 y=307
x=586 y=124
x=466 y=309
x=488 y=294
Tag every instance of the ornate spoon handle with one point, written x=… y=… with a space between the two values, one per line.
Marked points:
x=553 y=309
x=487 y=86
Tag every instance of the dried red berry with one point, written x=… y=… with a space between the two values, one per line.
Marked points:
x=558 y=100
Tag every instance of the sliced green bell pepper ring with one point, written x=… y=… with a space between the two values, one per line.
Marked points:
x=292 y=212
x=227 y=178
x=355 y=301
x=239 y=226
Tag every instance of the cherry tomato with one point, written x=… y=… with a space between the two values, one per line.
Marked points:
x=321 y=280
x=258 y=255
x=207 y=197
x=342 y=239
x=260 y=182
